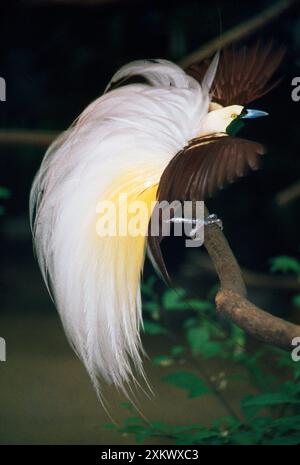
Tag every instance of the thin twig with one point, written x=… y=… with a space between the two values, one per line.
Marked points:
x=253 y=279
x=44 y=138
x=27 y=137
x=219 y=395
x=289 y=194
x=203 y=373
x=236 y=33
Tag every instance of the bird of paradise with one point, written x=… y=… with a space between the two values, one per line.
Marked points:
x=157 y=133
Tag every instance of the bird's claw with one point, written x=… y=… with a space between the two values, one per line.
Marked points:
x=197 y=224
x=213 y=219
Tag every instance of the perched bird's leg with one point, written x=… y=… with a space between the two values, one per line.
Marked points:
x=213 y=219
x=210 y=219
x=197 y=223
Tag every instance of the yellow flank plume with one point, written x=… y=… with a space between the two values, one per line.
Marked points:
x=124 y=217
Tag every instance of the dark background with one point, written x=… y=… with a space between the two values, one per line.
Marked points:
x=56 y=57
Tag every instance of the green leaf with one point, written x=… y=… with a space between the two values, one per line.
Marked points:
x=141 y=436
x=163 y=360
x=190 y=322
x=161 y=426
x=290 y=388
x=147 y=287
x=187 y=380
x=199 y=341
x=213 y=291
x=151 y=306
x=287 y=423
x=196 y=437
x=183 y=428
x=200 y=305
x=4 y=193
x=285 y=264
x=172 y=299
x=238 y=335
x=252 y=404
x=197 y=337
x=135 y=429
x=154 y=328
x=177 y=350
x=133 y=421
x=283 y=441
x=126 y=405
x=110 y=426
x=243 y=438
x=296 y=300
x=226 y=422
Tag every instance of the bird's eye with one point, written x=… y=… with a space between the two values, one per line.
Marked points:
x=233 y=115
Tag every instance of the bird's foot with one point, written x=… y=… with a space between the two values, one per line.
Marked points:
x=196 y=224
x=210 y=219
x=213 y=219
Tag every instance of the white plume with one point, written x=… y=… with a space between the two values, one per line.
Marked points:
x=133 y=130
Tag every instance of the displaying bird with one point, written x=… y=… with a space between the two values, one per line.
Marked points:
x=157 y=133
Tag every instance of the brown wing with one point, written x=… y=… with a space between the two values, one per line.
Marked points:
x=207 y=164
x=243 y=75
x=197 y=171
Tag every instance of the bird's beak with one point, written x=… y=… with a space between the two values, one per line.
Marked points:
x=253 y=114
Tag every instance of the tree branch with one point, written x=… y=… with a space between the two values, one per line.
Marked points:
x=231 y=301
x=27 y=137
x=236 y=33
x=289 y=194
x=44 y=138
x=252 y=279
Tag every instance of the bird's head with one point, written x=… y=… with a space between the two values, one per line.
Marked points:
x=227 y=119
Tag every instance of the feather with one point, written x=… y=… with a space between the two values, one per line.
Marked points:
x=243 y=75
x=207 y=164
x=121 y=143
x=154 y=72
x=197 y=171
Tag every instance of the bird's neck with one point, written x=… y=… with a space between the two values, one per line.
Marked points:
x=213 y=121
